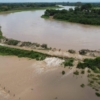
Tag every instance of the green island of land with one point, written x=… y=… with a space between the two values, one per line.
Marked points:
x=85 y=14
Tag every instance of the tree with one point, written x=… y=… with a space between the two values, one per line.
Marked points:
x=86 y=6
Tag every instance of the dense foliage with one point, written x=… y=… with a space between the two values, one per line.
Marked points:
x=22 y=53
x=84 y=14
x=17 y=6
x=68 y=62
x=93 y=64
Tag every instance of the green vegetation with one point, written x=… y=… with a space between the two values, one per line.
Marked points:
x=44 y=46
x=76 y=72
x=98 y=94
x=83 y=52
x=63 y=72
x=93 y=64
x=82 y=85
x=84 y=15
x=93 y=81
x=1 y=34
x=89 y=71
x=82 y=72
x=71 y=51
x=12 y=42
x=68 y=62
x=25 y=6
x=21 y=44
x=22 y=53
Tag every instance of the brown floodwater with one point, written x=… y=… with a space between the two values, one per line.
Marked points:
x=25 y=79
x=29 y=26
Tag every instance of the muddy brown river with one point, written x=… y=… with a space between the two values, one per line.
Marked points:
x=29 y=26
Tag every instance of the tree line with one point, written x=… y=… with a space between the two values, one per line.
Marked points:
x=15 y=6
x=84 y=14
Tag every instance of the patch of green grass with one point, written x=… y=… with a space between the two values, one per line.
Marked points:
x=12 y=42
x=43 y=16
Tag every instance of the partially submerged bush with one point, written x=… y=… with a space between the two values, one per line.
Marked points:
x=76 y=72
x=12 y=42
x=63 y=72
x=71 y=51
x=82 y=85
x=44 y=46
x=83 y=52
x=26 y=44
x=68 y=62
x=98 y=94
x=93 y=64
x=82 y=72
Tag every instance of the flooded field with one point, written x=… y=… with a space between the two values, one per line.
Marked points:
x=25 y=79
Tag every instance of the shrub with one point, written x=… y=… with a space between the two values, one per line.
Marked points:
x=98 y=94
x=68 y=62
x=71 y=51
x=76 y=72
x=93 y=64
x=89 y=71
x=83 y=52
x=63 y=72
x=44 y=46
x=82 y=72
x=12 y=42
x=82 y=85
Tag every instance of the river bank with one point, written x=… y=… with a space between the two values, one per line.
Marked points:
x=29 y=9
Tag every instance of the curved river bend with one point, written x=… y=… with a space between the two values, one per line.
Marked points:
x=29 y=26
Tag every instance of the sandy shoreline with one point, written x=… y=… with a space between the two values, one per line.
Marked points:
x=25 y=79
